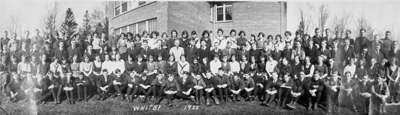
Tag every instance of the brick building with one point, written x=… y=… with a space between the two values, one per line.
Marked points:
x=164 y=16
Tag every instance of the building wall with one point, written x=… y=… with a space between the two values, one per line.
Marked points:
x=254 y=17
x=149 y=11
x=188 y=16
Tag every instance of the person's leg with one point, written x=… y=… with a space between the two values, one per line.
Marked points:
x=79 y=90
x=85 y=93
x=59 y=91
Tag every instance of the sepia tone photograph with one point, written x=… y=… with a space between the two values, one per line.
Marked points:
x=262 y=57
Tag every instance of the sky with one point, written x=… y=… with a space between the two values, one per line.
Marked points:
x=381 y=14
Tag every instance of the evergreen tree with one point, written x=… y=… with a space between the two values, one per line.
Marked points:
x=68 y=27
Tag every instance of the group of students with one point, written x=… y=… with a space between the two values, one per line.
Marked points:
x=288 y=71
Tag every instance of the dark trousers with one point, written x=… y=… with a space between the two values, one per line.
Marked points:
x=314 y=100
x=82 y=89
x=118 y=89
x=223 y=94
x=269 y=98
x=284 y=95
x=259 y=92
x=333 y=101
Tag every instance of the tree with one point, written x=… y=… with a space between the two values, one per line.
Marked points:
x=323 y=17
x=68 y=27
x=86 y=24
x=50 y=21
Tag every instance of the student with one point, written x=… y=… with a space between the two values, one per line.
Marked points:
x=75 y=67
x=210 y=89
x=185 y=87
x=222 y=85
x=157 y=86
x=118 y=83
x=314 y=91
x=67 y=81
x=234 y=65
x=140 y=66
x=347 y=89
x=144 y=89
x=177 y=51
x=380 y=92
x=171 y=88
x=364 y=87
x=198 y=87
x=236 y=87
x=161 y=64
x=285 y=89
x=104 y=83
x=333 y=86
x=132 y=84
x=13 y=88
x=248 y=86
x=82 y=83
x=271 y=86
x=215 y=64
x=183 y=65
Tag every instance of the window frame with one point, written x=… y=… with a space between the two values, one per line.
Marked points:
x=224 y=7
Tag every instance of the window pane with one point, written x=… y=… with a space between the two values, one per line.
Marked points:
x=220 y=14
x=228 y=13
x=124 y=6
x=153 y=25
x=141 y=27
x=132 y=28
x=117 y=11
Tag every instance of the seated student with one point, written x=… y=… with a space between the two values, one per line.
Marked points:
x=333 y=86
x=285 y=89
x=222 y=85
x=82 y=84
x=68 y=87
x=151 y=67
x=380 y=93
x=236 y=87
x=249 y=85
x=104 y=83
x=157 y=86
x=161 y=64
x=185 y=87
x=144 y=89
x=41 y=89
x=364 y=88
x=348 y=84
x=171 y=88
x=198 y=86
x=259 y=89
x=210 y=89
x=271 y=87
x=315 y=89
x=119 y=83
x=298 y=89
x=13 y=88
x=132 y=86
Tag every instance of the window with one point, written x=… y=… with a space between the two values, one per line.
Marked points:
x=124 y=6
x=223 y=12
x=117 y=9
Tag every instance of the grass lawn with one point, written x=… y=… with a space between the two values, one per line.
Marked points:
x=113 y=106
